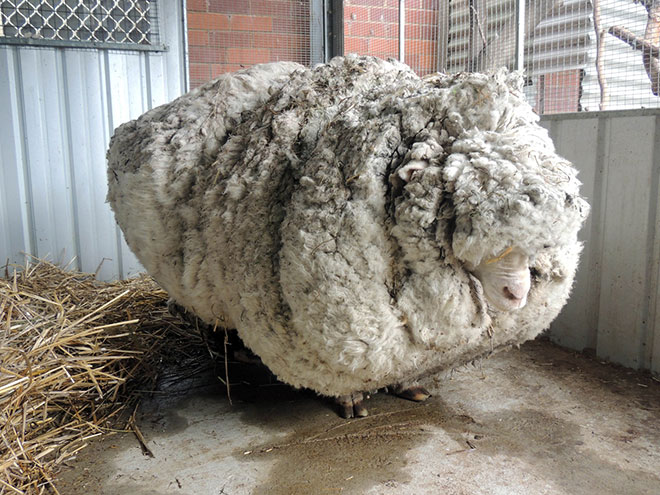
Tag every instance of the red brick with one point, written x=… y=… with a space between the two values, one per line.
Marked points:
x=279 y=40
x=384 y=46
x=421 y=32
x=371 y=29
x=196 y=5
x=422 y=63
x=198 y=37
x=207 y=55
x=289 y=25
x=295 y=54
x=356 y=45
x=353 y=13
x=561 y=92
x=247 y=56
x=273 y=8
x=368 y=3
x=384 y=15
x=216 y=70
x=301 y=11
x=250 y=23
x=207 y=21
x=420 y=47
x=422 y=17
x=229 y=6
x=199 y=72
x=432 y=5
x=235 y=39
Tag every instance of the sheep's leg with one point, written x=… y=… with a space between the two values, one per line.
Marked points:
x=350 y=406
x=415 y=392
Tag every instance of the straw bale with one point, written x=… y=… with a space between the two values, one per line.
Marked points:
x=73 y=351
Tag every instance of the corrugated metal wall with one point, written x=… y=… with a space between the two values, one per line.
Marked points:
x=615 y=305
x=60 y=106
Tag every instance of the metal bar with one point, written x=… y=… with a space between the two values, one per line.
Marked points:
x=336 y=28
x=317 y=32
x=520 y=35
x=82 y=44
x=183 y=5
x=24 y=178
x=443 y=35
x=402 y=30
x=601 y=113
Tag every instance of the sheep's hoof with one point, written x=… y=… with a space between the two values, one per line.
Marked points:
x=351 y=406
x=415 y=393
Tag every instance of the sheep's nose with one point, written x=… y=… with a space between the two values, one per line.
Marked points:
x=514 y=293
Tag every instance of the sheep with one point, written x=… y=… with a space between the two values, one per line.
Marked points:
x=359 y=226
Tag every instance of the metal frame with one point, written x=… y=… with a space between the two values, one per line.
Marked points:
x=402 y=30
x=183 y=4
x=520 y=35
x=36 y=42
x=639 y=112
x=326 y=30
x=83 y=44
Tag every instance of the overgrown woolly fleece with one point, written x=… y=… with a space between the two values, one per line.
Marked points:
x=270 y=200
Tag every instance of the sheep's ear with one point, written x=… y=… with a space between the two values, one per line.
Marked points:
x=406 y=172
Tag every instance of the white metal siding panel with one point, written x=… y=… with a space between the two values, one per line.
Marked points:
x=559 y=41
x=125 y=74
x=15 y=211
x=94 y=220
x=48 y=161
x=615 y=306
x=496 y=19
x=61 y=107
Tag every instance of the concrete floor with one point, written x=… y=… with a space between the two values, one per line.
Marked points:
x=539 y=420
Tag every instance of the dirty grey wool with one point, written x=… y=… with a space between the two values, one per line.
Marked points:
x=332 y=215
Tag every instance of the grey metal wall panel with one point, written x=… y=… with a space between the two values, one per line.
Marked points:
x=629 y=160
x=576 y=138
x=61 y=106
x=14 y=205
x=94 y=222
x=614 y=304
x=48 y=163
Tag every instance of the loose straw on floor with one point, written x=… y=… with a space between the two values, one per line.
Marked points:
x=72 y=350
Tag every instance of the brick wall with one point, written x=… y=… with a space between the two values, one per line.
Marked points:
x=226 y=35
x=559 y=92
x=371 y=27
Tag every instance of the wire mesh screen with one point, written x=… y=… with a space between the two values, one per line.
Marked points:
x=106 y=21
x=371 y=27
x=585 y=55
x=227 y=35
x=481 y=34
x=577 y=55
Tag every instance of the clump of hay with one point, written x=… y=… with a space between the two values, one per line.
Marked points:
x=73 y=352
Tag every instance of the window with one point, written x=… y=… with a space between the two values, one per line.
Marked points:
x=114 y=23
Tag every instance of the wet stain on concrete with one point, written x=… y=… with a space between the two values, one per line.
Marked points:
x=566 y=423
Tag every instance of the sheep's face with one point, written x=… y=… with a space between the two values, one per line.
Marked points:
x=506 y=279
